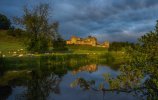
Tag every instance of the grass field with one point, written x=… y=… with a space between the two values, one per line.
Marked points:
x=86 y=49
x=9 y=43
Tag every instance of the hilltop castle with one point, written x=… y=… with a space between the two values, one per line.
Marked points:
x=92 y=41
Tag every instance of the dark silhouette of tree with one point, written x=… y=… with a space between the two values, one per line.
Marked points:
x=5 y=92
x=118 y=46
x=41 y=85
x=4 y=22
x=59 y=44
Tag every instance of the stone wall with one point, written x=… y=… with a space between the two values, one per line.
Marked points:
x=87 y=41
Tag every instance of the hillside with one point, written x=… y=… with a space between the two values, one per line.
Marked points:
x=9 y=43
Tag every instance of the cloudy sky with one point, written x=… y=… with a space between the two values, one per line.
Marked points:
x=113 y=20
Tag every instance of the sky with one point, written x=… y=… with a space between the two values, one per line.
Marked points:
x=110 y=20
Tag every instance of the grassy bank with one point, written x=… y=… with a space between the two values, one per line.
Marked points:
x=86 y=49
x=55 y=59
x=10 y=43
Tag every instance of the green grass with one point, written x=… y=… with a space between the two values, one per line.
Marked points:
x=86 y=49
x=10 y=46
x=9 y=43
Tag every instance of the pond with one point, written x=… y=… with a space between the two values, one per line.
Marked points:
x=54 y=82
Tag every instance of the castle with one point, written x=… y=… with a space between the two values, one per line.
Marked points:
x=92 y=41
x=89 y=68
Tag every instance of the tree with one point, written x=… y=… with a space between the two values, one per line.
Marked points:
x=118 y=46
x=41 y=33
x=59 y=44
x=4 y=22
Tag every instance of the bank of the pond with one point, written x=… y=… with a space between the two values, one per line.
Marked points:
x=61 y=59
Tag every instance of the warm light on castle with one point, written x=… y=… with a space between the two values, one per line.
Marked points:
x=92 y=41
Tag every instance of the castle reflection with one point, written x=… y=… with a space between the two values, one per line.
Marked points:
x=88 y=68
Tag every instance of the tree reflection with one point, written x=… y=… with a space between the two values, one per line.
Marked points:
x=5 y=91
x=43 y=81
x=40 y=86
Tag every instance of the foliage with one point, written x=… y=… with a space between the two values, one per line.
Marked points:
x=38 y=44
x=109 y=57
x=41 y=33
x=83 y=83
x=4 y=22
x=15 y=32
x=118 y=46
x=59 y=45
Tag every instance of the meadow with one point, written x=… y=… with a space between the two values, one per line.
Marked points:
x=10 y=43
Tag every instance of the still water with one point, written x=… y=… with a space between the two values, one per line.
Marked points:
x=54 y=84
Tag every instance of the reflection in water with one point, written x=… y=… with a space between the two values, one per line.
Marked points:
x=88 y=68
x=40 y=86
x=5 y=91
x=47 y=82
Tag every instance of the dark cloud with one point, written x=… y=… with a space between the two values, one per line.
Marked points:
x=114 y=20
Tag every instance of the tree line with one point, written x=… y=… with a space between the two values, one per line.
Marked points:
x=120 y=46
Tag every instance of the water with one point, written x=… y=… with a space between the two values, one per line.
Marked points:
x=53 y=83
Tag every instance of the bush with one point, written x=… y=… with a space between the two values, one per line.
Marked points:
x=119 y=46
x=59 y=45
x=39 y=44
